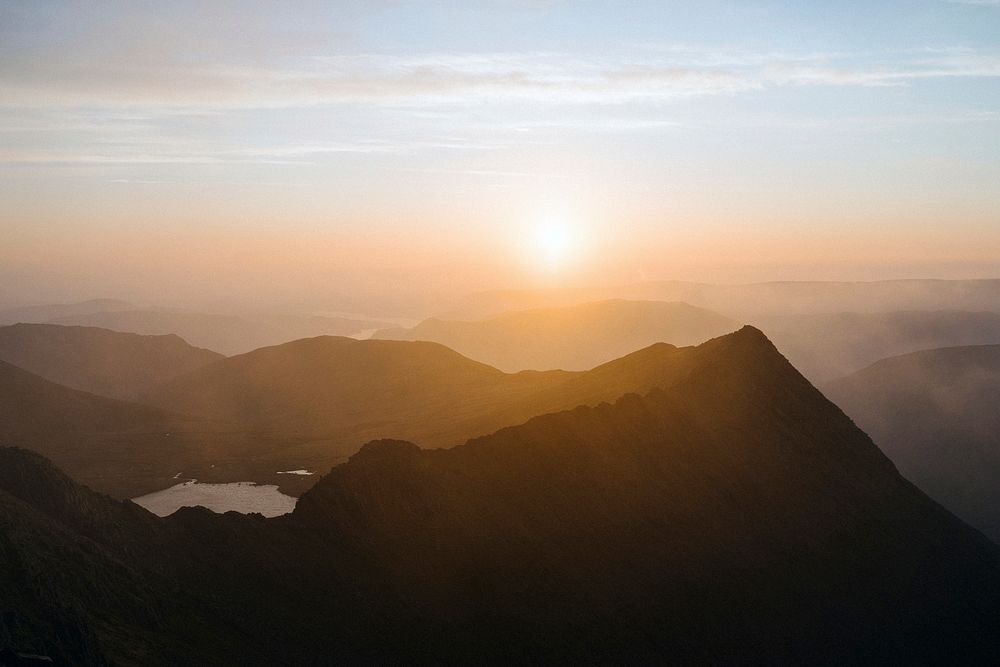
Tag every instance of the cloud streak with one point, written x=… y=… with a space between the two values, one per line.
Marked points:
x=102 y=112
x=429 y=80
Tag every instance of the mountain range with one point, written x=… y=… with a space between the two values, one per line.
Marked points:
x=333 y=394
x=829 y=346
x=45 y=312
x=731 y=515
x=570 y=338
x=99 y=361
x=750 y=301
x=227 y=334
x=308 y=404
x=935 y=413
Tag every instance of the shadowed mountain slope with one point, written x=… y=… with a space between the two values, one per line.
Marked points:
x=935 y=413
x=826 y=347
x=32 y=403
x=109 y=363
x=734 y=516
x=79 y=583
x=107 y=443
x=227 y=334
x=571 y=338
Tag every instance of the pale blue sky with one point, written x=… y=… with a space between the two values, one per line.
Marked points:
x=704 y=140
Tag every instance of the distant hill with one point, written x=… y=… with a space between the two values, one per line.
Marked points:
x=32 y=403
x=826 y=347
x=570 y=338
x=127 y=449
x=935 y=413
x=346 y=390
x=734 y=516
x=304 y=405
x=227 y=334
x=110 y=363
x=44 y=313
x=750 y=301
x=107 y=443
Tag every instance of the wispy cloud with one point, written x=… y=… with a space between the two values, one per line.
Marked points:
x=416 y=80
x=463 y=79
x=42 y=157
x=143 y=85
x=115 y=112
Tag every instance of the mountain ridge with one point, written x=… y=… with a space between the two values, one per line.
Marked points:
x=100 y=361
x=601 y=331
x=734 y=514
x=752 y=300
x=222 y=333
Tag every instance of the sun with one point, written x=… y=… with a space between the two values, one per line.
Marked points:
x=553 y=242
x=554 y=238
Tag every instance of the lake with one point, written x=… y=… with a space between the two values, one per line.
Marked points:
x=243 y=497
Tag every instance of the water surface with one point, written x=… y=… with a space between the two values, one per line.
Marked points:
x=244 y=497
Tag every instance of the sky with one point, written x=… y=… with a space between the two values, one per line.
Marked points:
x=271 y=152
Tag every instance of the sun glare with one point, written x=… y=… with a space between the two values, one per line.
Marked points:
x=553 y=241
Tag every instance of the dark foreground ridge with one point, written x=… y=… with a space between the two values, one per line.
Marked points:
x=735 y=515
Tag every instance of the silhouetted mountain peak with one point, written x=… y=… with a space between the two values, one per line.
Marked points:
x=737 y=384
x=747 y=337
x=386 y=449
x=749 y=351
x=749 y=332
x=731 y=514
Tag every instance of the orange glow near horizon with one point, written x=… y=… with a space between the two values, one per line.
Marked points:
x=145 y=154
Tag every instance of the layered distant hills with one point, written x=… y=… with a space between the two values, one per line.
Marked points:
x=571 y=338
x=32 y=403
x=110 y=363
x=228 y=334
x=222 y=333
x=754 y=300
x=731 y=514
x=129 y=449
x=303 y=405
x=46 y=312
x=936 y=413
x=109 y=444
x=823 y=346
x=336 y=393
x=311 y=403
x=828 y=346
